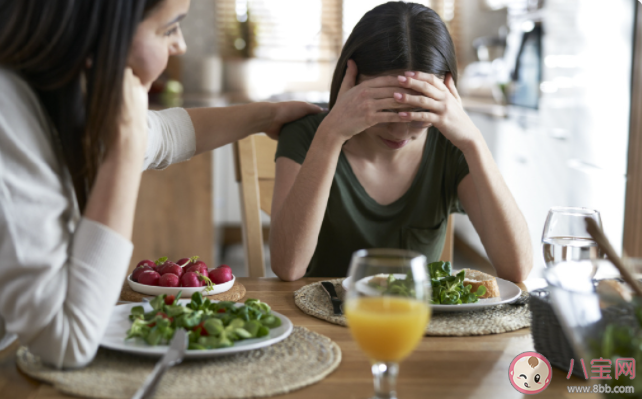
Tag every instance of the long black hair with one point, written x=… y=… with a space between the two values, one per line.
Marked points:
x=397 y=36
x=73 y=53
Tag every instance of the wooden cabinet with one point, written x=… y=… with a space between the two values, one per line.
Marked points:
x=174 y=212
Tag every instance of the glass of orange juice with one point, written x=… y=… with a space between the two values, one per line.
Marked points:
x=387 y=309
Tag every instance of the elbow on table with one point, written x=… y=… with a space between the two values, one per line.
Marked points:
x=519 y=271
x=73 y=357
x=285 y=269
x=287 y=272
x=77 y=361
x=284 y=263
x=67 y=344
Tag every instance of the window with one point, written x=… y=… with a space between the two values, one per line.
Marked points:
x=353 y=10
x=296 y=30
x=293 y=45
x=280 y=30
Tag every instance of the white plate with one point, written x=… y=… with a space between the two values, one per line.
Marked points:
x=119 y=324
x=508 y=292
x=187 y=291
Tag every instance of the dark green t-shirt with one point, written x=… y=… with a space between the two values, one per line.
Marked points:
x=353 y=220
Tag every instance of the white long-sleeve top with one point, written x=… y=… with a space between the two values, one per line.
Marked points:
x=60 y=274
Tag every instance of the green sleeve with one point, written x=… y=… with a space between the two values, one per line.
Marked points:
x=295 y=138
x=457 y=168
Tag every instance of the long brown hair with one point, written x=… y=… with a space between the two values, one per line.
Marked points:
x=397 y=36
x=73 y=53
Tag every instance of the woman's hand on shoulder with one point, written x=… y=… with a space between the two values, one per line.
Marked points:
x=289 y=111
x=131 y=138
x=442 y=100
x=360 y=106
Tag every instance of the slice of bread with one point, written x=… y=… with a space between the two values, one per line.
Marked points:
x=380 y=280
x=477 y=278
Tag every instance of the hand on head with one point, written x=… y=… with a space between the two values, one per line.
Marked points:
x=360 y=106
x=442 y=100
x=132 y=131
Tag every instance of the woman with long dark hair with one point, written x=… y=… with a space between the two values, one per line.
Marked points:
x=392 y=159
x=75 y=135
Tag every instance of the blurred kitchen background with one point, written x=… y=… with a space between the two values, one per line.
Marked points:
x=548 y=83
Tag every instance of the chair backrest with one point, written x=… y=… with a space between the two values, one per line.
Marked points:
x=255 y=170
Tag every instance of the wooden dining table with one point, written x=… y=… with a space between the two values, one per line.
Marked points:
x=440 y=367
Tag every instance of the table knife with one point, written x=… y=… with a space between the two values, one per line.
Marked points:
x=174 y=356
x=334 y=298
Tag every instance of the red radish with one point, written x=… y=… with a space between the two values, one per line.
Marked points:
x=198 y=267
x=165 y=265
x=171 y=267
x=169 y=299
x=138 y=270
x=200 y=263
x=225 y=266
x=190 y=279
x=221 y=275
x=187 y=262
x=169 y=280
x=159 y=263
x=147 y=262
x=149 y=277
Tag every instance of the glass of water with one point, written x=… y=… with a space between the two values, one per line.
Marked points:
x=565 y=238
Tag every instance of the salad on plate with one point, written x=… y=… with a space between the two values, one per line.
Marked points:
x=209 y=325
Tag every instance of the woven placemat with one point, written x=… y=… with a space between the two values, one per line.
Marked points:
x=233 y=294
x=313 y=300
x=302 y=359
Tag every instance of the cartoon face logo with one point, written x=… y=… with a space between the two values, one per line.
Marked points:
x=530 y=373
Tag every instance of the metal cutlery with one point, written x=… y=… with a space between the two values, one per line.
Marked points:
x=334 y=298
x=521 y=300
x=174 y=356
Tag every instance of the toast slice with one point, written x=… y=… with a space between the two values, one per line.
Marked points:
x=477 y=278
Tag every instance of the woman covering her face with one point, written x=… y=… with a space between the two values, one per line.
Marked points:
x=392 y=159
x=75 y=135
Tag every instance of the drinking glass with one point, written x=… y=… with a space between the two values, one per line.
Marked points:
x=599 y=325
x=565 y=238
x=387 y=315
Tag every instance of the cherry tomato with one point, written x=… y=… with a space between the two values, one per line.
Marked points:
x=200 y=329
x=169 y=299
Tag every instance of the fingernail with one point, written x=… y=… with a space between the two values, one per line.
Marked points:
x=398 y=96
x=409 y=73
x=402 y=78
x=403 y=114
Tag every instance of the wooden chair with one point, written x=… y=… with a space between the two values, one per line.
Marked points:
x=254 y=166
x=255 y=170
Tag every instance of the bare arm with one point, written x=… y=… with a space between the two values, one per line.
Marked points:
x=484 y=194
x=300 y=198
x=215 y=127
x=495 y=215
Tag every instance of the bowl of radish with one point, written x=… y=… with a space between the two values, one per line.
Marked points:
x=188 y=275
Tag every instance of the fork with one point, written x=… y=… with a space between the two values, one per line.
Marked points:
x=174 y=356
